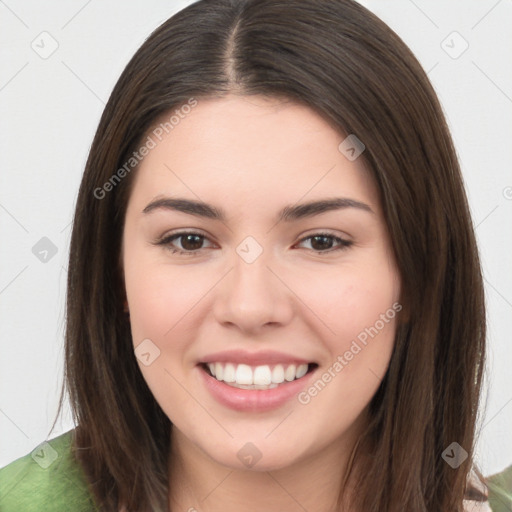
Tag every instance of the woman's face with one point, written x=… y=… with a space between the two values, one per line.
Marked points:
x=234 y=265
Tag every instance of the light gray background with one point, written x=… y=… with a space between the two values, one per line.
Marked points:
x=49 y=110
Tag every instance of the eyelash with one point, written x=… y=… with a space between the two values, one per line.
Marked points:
x=166 y=240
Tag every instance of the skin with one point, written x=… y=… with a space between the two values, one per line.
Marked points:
x=251 y=156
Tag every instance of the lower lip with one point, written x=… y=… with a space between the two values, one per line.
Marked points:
x=256 y=400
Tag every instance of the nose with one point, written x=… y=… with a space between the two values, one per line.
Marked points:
x=252 y=297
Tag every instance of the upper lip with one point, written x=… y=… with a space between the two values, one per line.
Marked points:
x=253 y=358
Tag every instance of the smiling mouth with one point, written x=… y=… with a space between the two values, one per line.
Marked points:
x=243 y=376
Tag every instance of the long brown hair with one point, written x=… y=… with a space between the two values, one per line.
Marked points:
x=349 y=67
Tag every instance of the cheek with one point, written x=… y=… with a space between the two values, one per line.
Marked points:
x=354 y=299
x=360 y=308
x=162 y=298
x=162 y=302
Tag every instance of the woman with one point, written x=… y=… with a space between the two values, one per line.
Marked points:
x=274 y=296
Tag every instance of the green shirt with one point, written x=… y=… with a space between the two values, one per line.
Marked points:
x=46 y=480
x=500 y=491
x=50 y=480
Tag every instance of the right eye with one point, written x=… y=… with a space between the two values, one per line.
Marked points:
x=190 y=243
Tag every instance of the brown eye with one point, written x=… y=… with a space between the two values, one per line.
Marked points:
x=191 y=242
x=321 y=243
x=184 y=243
x=325 y=243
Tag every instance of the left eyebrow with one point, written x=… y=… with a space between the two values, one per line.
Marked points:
x=299 y=211
x=287 y=214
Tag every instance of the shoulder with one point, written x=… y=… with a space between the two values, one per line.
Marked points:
x=48 y=478
x=500 y=490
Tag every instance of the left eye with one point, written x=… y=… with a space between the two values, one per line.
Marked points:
x=192 y=243
x=323 y=242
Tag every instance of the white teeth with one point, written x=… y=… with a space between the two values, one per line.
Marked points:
x=219 y=370
x=301 y=371
x=252 y=386
x=243 y=374
x=289 y=374
x=278 y=374
x=260 y=377
x=229 y=372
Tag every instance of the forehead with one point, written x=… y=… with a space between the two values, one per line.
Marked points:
x=252 y=147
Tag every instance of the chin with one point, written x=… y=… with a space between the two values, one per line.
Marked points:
x=252 y=456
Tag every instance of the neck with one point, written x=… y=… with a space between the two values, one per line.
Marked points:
x=200 y=484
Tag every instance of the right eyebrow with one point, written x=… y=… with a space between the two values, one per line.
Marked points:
x=197 y=208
